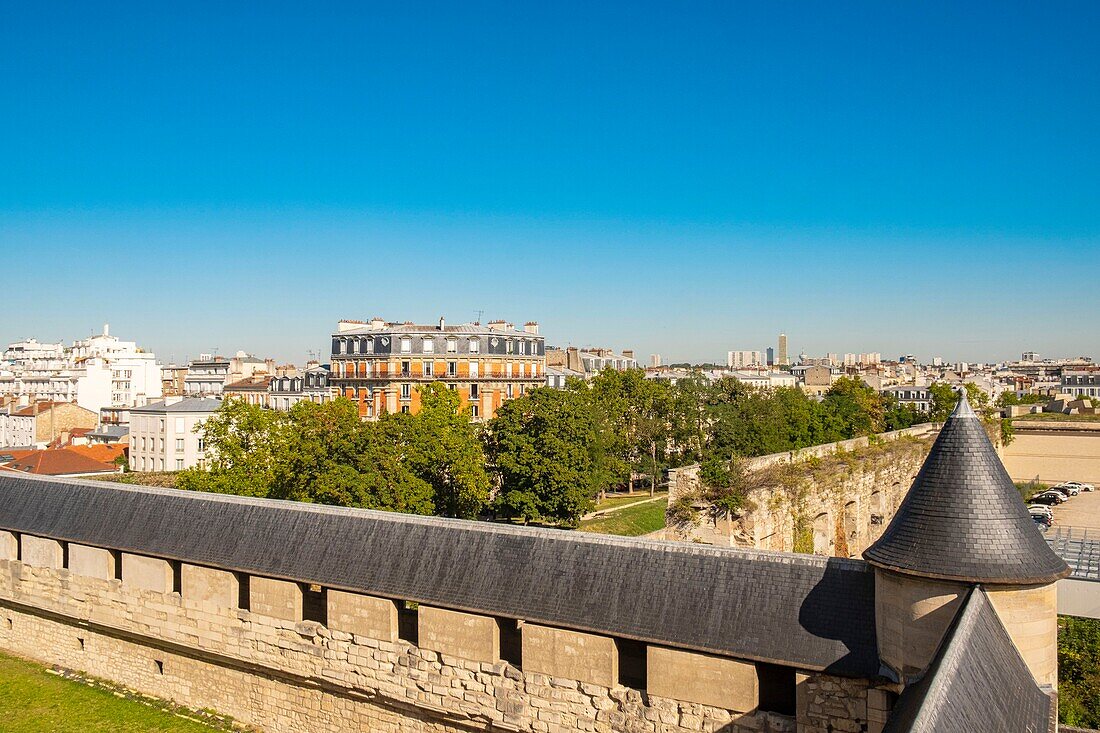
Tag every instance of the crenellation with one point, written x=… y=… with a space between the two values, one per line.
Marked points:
x=287 y=675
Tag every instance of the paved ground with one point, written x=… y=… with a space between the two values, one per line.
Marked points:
x=1080 y=512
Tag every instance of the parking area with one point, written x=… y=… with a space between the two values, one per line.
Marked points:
x=1080 y=512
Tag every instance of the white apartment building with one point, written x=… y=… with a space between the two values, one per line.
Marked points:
x=97 y=372
x=206 y=376
x=163 y=435
x=743 y=359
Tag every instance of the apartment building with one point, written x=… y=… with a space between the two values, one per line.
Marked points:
x=312 y=386
x=163 y=437
x=744 y=359
x=379 y=364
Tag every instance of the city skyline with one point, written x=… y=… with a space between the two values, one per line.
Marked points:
x=698 y=184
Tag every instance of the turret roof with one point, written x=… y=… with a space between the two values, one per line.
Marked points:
x=963 y=518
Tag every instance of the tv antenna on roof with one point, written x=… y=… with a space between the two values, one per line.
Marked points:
x=479 y=315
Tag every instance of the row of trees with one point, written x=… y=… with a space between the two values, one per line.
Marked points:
x=544 y=457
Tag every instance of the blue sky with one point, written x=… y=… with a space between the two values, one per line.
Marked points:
x=677 y=178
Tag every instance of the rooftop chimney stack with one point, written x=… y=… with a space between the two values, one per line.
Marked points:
x=531 y=327
x=442 y=323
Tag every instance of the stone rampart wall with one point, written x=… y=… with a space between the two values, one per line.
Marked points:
x=285 y=656
x=835 y=499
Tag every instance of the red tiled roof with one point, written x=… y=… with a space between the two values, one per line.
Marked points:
x=58 y=462
x=102 y=452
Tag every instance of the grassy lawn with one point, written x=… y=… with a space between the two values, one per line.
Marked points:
x=632 y=521
x=619 y=499
x=33 y=701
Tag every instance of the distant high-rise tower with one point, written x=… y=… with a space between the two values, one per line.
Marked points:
x=783 y=360
x=771 y=356
x=655 y=360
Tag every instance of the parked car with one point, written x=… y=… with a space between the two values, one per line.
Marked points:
x=1067 y=489
x=1040 y=509
x=1049 y=497
x=1079 y=485
x=1043 y=523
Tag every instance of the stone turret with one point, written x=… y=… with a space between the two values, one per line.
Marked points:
x=963 y=523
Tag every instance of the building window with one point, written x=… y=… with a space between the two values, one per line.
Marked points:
x=179 y=445
x=406 y=345
x=406 y=368
x=473 y=410
x=429 y=346
x=354 y=346
x=473 y=391
x=179 y=464
x=406 y=391
x=405 y=409
x=370 y=345
x=452 y=346
x=202 y=444
x=452 y=368
x=475 y=346
x=509 y=346
x=429 y=369
x=473 y=369
x=508 y=370
x=509 y=391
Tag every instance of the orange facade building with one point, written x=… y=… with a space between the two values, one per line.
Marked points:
x=380 y=365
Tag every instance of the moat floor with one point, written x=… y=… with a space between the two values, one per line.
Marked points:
x=35 y=701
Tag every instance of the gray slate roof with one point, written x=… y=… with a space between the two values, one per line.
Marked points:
x=811 y=612
x=963 y=518
x=191 y=404
x=976 y=682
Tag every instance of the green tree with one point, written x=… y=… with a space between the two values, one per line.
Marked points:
x=944 y=399
x=441 y=446
x=545 y=446
x=859 y=407
x=244 y=444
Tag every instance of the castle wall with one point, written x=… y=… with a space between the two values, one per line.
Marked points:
x=177 y=631
x=837 y=511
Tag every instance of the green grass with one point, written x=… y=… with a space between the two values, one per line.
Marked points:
x=34 y=701
x=632 y=521
x=620 y=499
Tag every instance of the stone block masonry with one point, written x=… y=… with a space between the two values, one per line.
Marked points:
x=702 y=678
x=463 y=635
x=279 y=599
x=293 y=676
x=91 y=562
x=147 y=573
x=355 y=613
x=40 y=552
x=9 y=546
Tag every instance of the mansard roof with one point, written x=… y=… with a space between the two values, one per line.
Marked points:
x=963 y=518
x=976 y=682
x=800 y=610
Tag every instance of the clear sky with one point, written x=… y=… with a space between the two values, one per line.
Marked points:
x=680 y=178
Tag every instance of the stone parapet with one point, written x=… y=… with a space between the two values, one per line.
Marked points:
x=455 y=634
x=364 y=615
x=570 y=654
x=9 y=546
x=292 y=676
x=147 y=573
x=213 y=590
x=280 y=599
x=91 y=562
x=40 y=552
x=703 y=678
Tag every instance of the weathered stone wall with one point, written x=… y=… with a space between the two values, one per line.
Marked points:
x=833 y=499
x=1053 y=452
x=273 y=670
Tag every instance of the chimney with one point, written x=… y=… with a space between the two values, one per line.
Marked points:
x=628 y=353
x=377 y=322
x=442 y=323
x=348 y=325
x=531 y=327
x=106 y=329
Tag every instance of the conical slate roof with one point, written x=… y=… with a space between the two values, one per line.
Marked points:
x=963 y=518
